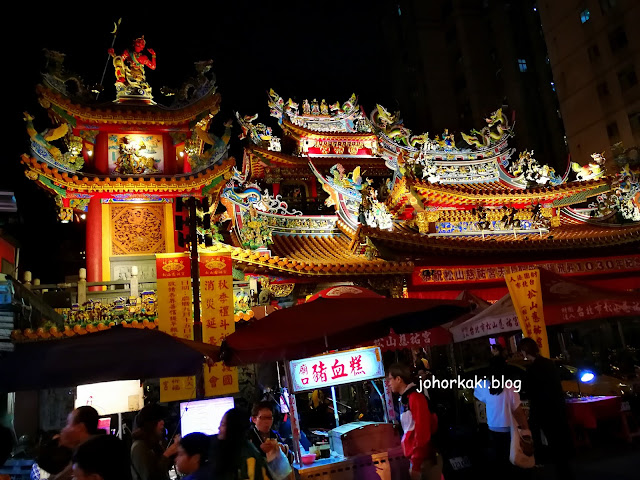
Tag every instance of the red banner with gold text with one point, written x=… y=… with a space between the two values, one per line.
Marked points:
x=216 y=293
x=175 y=316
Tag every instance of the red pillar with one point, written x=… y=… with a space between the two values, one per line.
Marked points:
x=276 y=188
x=170 y=164
x=94 y=241
x=314 y=188
x=101 y=154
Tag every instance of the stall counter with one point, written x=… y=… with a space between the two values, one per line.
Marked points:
x=388 y=465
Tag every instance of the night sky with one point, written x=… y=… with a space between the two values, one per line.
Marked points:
x=325 y=50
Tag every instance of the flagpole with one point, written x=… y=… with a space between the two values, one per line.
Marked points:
x=113 y=42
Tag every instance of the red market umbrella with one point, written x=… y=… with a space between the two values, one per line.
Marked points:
x=301 y=331
x=344 y=291
x=114 y=354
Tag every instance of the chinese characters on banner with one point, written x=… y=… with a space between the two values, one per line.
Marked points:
x=175 y=316
x=491 y=273
x=216 y=293
x=525 y=291
x=336 y=369
x=426 y=338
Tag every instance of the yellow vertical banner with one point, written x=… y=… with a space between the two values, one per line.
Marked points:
x=175 y=316
x=525 y=290
x=216 y=293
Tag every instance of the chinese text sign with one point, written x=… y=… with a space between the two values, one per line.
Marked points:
x=525 y=290
x=336 y=369
x=216 y=291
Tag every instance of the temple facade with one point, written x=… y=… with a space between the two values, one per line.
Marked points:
x=328 y=194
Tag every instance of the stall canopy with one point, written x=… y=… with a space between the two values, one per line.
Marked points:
x=114 y=354
x=565 y=300
x=301 y=331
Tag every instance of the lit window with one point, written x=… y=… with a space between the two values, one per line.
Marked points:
x=522 y=64
x=585 y=15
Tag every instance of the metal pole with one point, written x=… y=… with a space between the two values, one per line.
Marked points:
x=383 y=400
x=113 y=42
x=293 y=413
x=335 y=405
x=120 y=425
x=195 y=270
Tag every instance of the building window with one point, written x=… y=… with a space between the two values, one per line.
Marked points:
x=627 y=78
x=602 y=89
x=613 y=133
x=594 y=53
x=585 y=15
x=606 y=5
x=618 y=40
x=522 y=64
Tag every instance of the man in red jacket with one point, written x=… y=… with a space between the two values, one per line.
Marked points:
x=418 y=424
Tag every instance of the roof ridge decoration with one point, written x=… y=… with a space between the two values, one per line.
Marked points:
x=527 y=172
x=355 y=201
x=321 y=117
x=259 y=134
x=70 y=85
x=131 y=82
x=252 y=196
x=70 y=161
x=623 y=200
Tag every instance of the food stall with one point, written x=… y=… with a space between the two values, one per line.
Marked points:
x=331 y=324
x=355 y=450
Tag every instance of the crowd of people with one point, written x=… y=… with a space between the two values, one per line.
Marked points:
x=248 y=448
x=242 y=449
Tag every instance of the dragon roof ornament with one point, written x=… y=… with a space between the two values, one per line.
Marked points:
x=320 y=117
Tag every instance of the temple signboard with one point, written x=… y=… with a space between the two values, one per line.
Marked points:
x=427 y=275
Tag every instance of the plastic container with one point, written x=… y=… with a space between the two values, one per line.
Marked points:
x=308 y=458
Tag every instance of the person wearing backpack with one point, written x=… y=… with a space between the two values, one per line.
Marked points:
x=418 y=423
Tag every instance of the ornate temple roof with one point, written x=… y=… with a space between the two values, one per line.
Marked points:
x=52 y=179
x=563 y=238
x=301 y=131
x=498 y=193
x=110 y=113
x=311 y=256
x=260 y=158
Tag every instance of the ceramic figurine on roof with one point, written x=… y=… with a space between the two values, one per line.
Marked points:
x=495 y=130
x=320 y=117
x=527 y=169
x=131 y=81
x=71 y=160
x=623 y=200
x=259 y=133
x=592 y=170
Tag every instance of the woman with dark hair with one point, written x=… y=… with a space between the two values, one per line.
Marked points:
x=503 y=408
x=149 y=459
x=232 y=456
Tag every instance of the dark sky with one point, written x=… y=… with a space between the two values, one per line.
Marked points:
x=321 y=49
